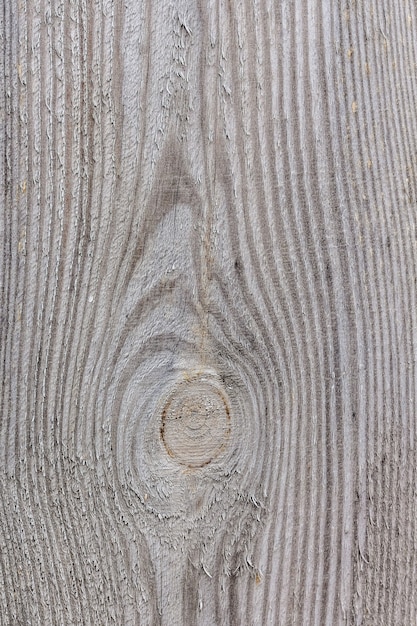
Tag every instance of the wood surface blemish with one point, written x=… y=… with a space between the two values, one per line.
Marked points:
x=195 y=422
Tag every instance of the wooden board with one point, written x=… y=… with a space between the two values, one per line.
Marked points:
x=208 y=322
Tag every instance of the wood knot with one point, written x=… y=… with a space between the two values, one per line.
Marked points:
x=195 y=424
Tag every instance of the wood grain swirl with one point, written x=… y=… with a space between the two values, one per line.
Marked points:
x=209 y=313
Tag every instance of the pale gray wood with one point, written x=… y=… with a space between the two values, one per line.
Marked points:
x=208 y=337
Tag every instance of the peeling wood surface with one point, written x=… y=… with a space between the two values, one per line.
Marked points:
x=208 y=322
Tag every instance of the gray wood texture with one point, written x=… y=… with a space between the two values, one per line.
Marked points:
x=208 y=319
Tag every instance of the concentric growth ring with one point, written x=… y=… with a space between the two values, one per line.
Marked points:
x=195 y=424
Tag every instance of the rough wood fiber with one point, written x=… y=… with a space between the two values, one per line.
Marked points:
x=208 y=323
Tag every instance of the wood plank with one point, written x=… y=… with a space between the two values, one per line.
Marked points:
x=208 y=337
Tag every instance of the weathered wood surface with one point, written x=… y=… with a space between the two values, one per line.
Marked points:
x=208 y=337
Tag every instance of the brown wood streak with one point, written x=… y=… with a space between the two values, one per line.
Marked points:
x=215 y=199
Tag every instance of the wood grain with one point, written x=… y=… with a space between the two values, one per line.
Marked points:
x=208 y=320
